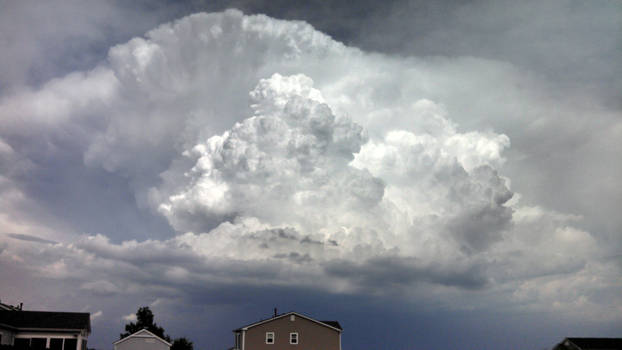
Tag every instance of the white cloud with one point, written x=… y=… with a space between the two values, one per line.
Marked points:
x=97 y=314
x=293 y=153
x=340 y=168
x=70 y=99
x=129 y=318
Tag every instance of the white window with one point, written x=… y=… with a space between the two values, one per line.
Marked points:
x=293 y=338
x=292 y=318
x=269 y=337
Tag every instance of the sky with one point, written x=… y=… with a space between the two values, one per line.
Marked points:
x=433 y=175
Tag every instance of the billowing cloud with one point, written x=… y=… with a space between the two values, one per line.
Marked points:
x=293 y=153
x=278 y=156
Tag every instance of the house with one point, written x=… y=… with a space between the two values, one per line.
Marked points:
x=142 y=340
x=590 y=344
x=289 y=331
x=10 y=307
x=44 y=329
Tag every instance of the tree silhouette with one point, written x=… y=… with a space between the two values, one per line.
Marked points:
x=182 y=344
x=144 y=320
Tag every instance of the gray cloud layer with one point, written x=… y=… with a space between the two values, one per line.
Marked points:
x=223 y=150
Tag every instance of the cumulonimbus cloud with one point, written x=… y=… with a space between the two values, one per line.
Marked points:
x=279 y=155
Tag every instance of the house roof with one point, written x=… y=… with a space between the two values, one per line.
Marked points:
x=335 y=324
x=46 y=320
x=143 y=333
x=596 y=343
x=330 y=324
x=4 y=306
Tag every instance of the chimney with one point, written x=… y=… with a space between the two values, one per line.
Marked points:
x=274 y=312
x=20 y=306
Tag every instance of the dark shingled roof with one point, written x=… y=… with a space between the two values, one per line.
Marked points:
x=590 y=344
x=4 y=306
x=333 y=324
x=46 y=319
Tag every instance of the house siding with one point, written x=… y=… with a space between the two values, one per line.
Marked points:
x=141 y=343
x=6 y=337
x=311 y=335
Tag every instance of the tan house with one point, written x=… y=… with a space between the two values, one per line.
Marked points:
x=289 y=331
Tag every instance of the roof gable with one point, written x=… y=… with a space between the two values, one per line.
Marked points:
x=46 y=320
x=143 y=333
x=329 y=324
x=597 y=343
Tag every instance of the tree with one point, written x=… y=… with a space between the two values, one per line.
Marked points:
x=182 y=344
x=144 y=320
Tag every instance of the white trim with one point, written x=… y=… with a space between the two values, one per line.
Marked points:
x=46 y=335
x=65 y=347
x=339 y=341
x=271 y=336
x=243 y=339
x=290 y=338
x=49 y=337
x=140 y=334
x=62 y=344
x=287 y=314
x=60 y=330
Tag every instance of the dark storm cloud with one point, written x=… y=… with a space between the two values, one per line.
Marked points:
x=368 y=321
x=30 y=238
x=295 y=257
x=479 y=228
x=149 y=252
x=309 y=240
x=541 y=36
x=559 y=159
x=383 y=273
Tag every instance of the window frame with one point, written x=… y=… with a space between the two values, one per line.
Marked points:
x=268 y=334
x=56 y=340
x=20 y=343
x=70 y=346
x=291 y=339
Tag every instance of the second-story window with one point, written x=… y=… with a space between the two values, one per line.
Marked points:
x=269 y=337
x=293 y=338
